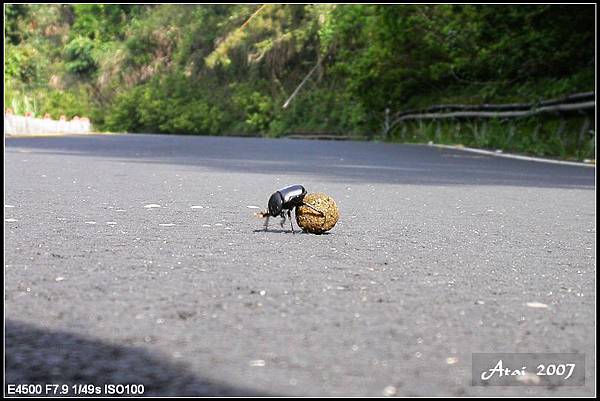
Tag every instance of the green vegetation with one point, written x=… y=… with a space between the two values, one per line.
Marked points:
x=562 y=138
x=228 y=69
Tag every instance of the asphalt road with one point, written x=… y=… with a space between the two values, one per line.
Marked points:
x=438 y=254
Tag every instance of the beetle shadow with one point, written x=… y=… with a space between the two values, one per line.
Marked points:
x=281 y=231
x=278 y=231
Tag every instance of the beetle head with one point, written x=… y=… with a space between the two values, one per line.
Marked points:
x=275 y=204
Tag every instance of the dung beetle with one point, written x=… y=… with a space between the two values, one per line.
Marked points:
x=283 y=201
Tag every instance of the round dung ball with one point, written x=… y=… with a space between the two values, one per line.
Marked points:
x=318 y=214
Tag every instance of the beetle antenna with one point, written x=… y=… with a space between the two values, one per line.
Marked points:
x=262 y=215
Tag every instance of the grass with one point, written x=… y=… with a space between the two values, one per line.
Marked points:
x=570 y=138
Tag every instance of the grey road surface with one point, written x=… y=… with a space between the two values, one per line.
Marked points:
x=137 y=259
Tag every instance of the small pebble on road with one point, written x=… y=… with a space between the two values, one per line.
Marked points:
x=536 y=305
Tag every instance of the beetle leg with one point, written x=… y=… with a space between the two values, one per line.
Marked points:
x=289 y=213
x=313 y=208
x=282 y=219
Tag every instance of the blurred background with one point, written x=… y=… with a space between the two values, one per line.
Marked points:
x=330 y=70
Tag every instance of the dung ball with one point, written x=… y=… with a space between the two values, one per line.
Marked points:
x=318 y=214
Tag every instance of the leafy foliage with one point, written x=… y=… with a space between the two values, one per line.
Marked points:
x=79 y=57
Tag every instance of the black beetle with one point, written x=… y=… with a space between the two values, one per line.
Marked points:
x=283 y=201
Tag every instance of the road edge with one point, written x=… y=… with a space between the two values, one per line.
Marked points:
x=512 y=156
